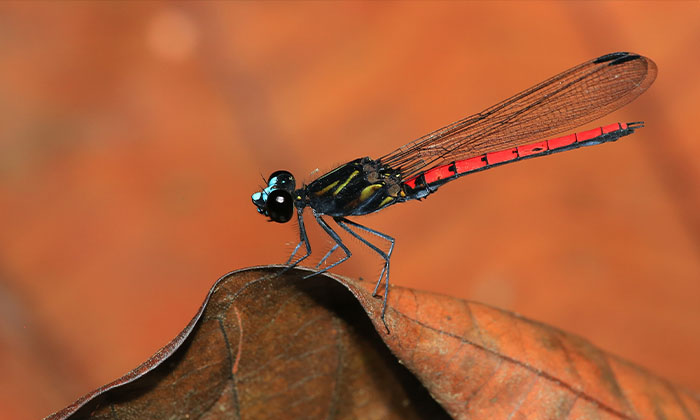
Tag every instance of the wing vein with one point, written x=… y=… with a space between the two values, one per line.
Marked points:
x=572 y=98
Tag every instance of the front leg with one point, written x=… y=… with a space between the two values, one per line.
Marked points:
x=338 y=243
x=303 y=239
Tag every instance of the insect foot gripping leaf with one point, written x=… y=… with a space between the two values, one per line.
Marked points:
x=270 y=346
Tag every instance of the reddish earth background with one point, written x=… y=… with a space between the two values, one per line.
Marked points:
x=132 y=135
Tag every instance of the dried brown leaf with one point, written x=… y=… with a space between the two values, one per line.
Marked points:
x=274 y=346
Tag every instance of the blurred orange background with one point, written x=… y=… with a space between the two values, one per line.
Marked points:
x=133 y=134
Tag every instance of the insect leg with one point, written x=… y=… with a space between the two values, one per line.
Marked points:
x=325 y=257
x=343 y=222
x=338 y=241
x=303 y=239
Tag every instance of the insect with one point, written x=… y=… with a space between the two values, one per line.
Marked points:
x=504 y=133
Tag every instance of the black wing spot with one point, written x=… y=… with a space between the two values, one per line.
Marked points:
x=625 y=59
x=609 y=57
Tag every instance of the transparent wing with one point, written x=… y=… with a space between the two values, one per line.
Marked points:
x=568 y=100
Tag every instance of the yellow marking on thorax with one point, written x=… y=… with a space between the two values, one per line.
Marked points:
x=385 y=201
x=368 y=191
x=344 y=184
x=326 y=189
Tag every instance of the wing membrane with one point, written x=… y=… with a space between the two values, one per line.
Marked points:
x=577 y=96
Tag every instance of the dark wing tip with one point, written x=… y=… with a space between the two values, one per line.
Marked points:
x=611 y=56
x=617 y=58
x=625 y=59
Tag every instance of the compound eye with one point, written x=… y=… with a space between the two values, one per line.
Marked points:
x=282 y=180
x=280 y=206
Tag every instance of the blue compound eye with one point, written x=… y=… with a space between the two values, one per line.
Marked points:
x=276 y=200
x=282 y=180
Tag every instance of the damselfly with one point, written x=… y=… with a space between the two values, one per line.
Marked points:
x=500 y=134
